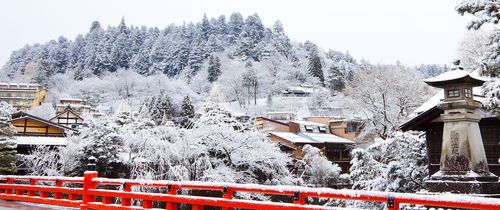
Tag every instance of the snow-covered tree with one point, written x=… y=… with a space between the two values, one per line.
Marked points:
x=431 y=70
x=8 y=146
x=473 y=48
x=386 y=95
x=213 y=68
x=45 y=111
x=397 y=164
x=6 y=109
x=187 y=108
x=319 y=171
x=315 y=67
x=42 y=161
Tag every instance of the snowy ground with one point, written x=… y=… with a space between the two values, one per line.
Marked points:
x=11 y=205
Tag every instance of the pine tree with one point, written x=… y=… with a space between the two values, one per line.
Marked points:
x=187 y=108
x=206 y=28
x=315 y=67
x=213 y=68
x=8 y=147
x=235 y=26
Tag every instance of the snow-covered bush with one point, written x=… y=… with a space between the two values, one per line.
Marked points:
x=6 y=109
x=8 y=146
x=42 y=161
x=397 y=164
x=318 y=170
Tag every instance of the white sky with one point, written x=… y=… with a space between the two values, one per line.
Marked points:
x=382 y=31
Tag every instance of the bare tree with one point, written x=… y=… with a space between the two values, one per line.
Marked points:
x=386 y=95
x=473 y=47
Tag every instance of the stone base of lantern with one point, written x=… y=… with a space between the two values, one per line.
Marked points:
x=467 y=183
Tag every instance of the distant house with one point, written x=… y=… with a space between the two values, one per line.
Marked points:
x=298 y=91
x=22 y=96
x=346 y=128
x=300 y=133
x=69 y=118
x=78 y=105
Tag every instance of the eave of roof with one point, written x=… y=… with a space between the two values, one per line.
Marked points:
x=25 y=115
x=275 y=121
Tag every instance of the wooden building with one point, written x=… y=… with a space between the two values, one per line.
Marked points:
x=29 y=125
x=69 y=118
x=264 y=123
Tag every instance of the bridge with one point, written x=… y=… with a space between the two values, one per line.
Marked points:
x=92 y=192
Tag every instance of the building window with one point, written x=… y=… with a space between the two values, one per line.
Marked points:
x=468 y=93
x=309 y=128
x=322 y=129
x=334 y=153
x=453 y=93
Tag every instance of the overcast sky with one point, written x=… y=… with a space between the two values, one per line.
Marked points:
x=382 y=31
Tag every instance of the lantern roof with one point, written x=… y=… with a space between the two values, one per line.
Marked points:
x=456 y=76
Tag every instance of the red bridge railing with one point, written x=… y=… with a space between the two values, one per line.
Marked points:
x=91 y=192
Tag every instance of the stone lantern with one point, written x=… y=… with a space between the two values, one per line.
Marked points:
x=463 y=163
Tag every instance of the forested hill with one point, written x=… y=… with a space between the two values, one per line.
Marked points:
x=172 y=50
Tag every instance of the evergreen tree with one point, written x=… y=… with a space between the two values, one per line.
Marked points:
x=160 y=106
x=187 y=108
x=235 y=26
x=487 y=12
x=315 y=67
x=213 y=68
x=8 y=147
x=41 y=76
x=206 y=28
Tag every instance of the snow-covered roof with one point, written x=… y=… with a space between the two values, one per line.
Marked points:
x=294 y=138
x=311 y=138
x=326 y=138
x=41 y=140
x=303 y=122
x=71 y=99
x=453 y=75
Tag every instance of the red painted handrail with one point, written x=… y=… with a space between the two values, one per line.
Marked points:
x=91 y=196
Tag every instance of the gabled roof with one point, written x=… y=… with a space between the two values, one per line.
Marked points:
x=23 y=115
x=67 y=109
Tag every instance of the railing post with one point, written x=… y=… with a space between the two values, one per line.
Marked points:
x=299 y=198
x=227 y=193
x=10 y=181
x=126 y=201
x=87 y=185
x=392 y=204
x=171 y=190
x=32 y=183
x=147 y=204
x=58 y=195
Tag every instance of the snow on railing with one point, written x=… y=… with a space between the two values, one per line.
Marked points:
x=103 y=193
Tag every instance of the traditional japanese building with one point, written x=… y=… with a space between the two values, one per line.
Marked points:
x=29 y=125
x=463 y=139
x=300 y=133
x=22 y=96
x=69 y=118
